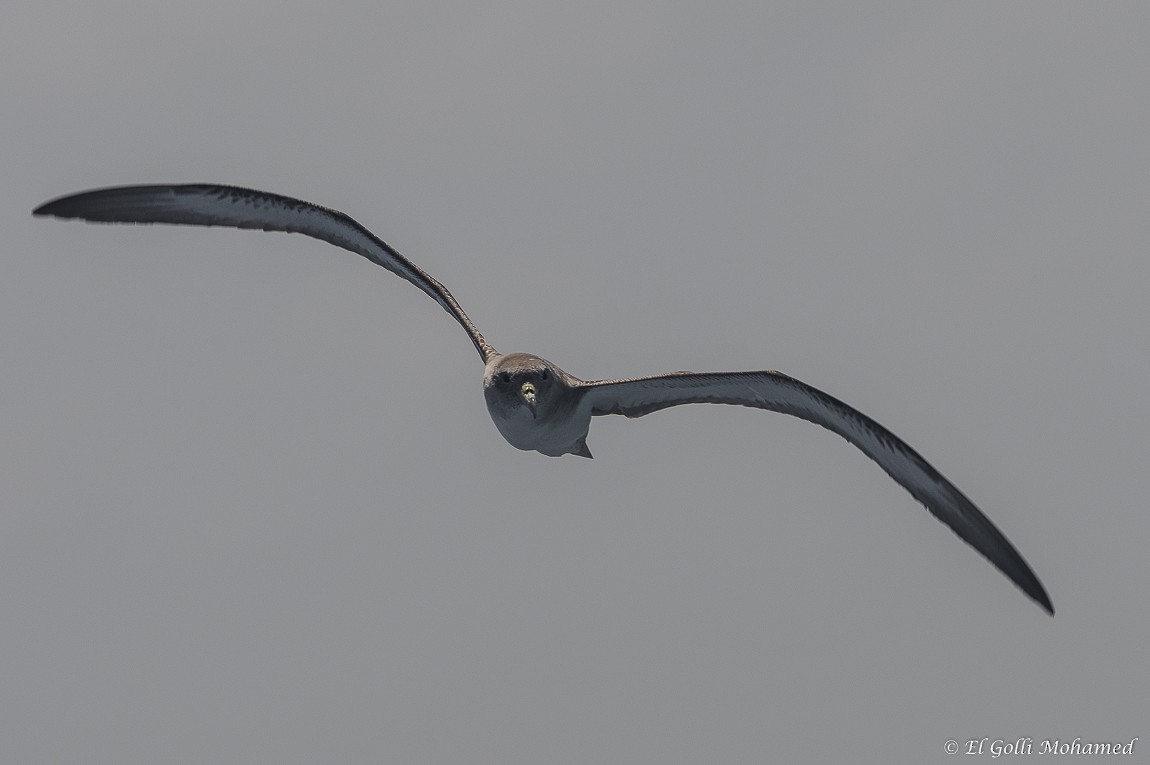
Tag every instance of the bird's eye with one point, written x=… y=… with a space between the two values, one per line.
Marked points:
x=545 y=374
x=505 y=377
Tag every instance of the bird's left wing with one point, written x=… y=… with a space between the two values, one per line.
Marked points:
x=202 y=204
x=777 y=392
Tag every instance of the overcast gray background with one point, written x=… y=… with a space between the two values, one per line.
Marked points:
x=254 y=509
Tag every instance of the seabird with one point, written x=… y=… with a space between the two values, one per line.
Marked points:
x=535 y=404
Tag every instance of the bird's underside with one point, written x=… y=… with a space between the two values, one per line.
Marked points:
x=535 y=404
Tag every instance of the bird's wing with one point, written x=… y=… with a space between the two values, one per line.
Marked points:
x=776 y=392
x=215 y=205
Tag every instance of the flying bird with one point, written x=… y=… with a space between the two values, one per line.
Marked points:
x=535 y=404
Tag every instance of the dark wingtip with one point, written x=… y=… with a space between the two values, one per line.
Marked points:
x=103 y=205
x=45 y=209
x=1044 y=601
x=1029 y=584
x=1033 y=588
x=61 y=207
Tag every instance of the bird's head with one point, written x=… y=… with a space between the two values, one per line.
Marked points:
x=520 y=381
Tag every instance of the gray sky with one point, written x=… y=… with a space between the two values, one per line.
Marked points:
x=254 y=509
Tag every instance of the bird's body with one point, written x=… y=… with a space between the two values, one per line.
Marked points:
x=537 y=406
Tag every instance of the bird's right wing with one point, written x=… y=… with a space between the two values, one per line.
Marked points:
x=216 y=205
x=777 y=392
